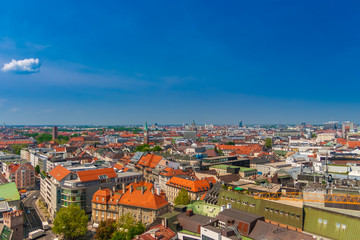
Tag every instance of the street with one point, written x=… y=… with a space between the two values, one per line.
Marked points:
x=32 y=220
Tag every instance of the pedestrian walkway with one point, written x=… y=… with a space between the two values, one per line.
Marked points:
x=43 y=214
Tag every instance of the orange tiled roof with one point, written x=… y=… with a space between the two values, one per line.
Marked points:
x=169 y=172
x=144 y=200
x=190 y=184
x=120 y=167
x=115 y=198
x=59 y=172
x=149 y=160
x=137 y=185
x=353 y=144
x=92 y=175
x=102 y=196
x=60 y=149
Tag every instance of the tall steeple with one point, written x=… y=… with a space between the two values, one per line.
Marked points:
x=146 y=134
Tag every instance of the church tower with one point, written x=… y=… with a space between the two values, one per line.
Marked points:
x=146 y=134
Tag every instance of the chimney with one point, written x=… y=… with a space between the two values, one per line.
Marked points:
x=152 y=190
x=113 y=191
x=164 y=222
x=189 y=212
x=142 y=190
x=131 y=188
x=123 y=186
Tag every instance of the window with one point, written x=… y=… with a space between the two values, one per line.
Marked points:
x=324 y=221
x=338 y=225
x=343 y=226
x=320 y=220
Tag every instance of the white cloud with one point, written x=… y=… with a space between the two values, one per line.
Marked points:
x=30 y=65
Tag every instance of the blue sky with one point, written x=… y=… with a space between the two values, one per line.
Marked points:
x=112 y=62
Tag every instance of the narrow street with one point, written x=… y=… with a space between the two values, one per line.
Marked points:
x=32 y=220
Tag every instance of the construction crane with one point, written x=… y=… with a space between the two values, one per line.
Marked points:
x=310 y=197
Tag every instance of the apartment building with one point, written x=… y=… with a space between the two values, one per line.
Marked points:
x=22 y=174
x=61 y=187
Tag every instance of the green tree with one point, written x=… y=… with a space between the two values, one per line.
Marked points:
x=62 y=139
x=119 y=235
x=105 y=230
x=156 y=149
x=230 y=143
x=143 y=148
x=313 y=135
x=268 y=143
x=44 y=138
x=17 y=148
x=182 y=198
x=71 y=222
x=37 y=169
x=128 y=228
x=138 y=229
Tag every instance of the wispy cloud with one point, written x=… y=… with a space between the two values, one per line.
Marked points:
x=30 y=65
x=36 y=46
x=14 y=109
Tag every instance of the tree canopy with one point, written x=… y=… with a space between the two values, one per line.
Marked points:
x=147 y=148
x=71 y=222
x=268 y=143
x=230 y=143
x=45 y=137
x=16 y=148
x=37 y=169
x=182 y=198
x=105 y=230
x=126 y=228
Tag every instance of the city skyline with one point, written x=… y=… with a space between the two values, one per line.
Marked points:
x=124 y=63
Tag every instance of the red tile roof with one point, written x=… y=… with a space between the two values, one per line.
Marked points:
x=144 y=200
x=59 y=172
x=149 y=160
x=157 y=232
x=92 y=175
x=102 y=196
x=191 y=184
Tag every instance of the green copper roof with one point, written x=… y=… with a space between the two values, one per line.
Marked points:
x=330 y=224
x=146 y=127
x=9 y=192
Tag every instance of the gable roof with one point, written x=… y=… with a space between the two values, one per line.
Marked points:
x=190 y=184
x=59 y=172
x=92 y=175
x=149 y=160
x=147 y=199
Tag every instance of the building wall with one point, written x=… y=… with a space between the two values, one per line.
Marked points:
x=24 y=177
x=102 y=212
x=172 y=192
x=274 y=212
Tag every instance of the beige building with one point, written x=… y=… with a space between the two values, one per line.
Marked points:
x=195 y=187
x=138 y=199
